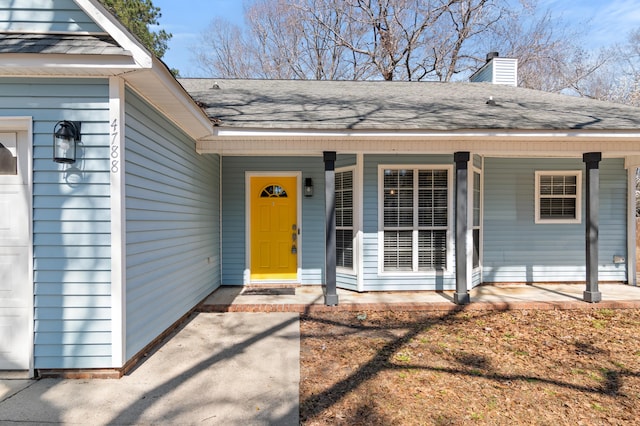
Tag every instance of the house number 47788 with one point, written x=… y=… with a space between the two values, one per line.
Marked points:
x=115 y=155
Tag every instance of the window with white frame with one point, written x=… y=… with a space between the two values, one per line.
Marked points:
x=477 y=209
x=415 y=218
x=558 y=196
x=344 y=218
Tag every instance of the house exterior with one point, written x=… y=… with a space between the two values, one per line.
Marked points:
x=179 y=187
x=396 y=145
x=99 y=257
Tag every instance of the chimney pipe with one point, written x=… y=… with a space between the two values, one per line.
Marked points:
x=492 y=55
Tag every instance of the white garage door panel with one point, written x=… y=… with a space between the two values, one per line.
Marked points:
x=13 y=208
x=13 y=328
x=14 y=286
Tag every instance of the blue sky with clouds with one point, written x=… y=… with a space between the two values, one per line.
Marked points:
x=607 y=21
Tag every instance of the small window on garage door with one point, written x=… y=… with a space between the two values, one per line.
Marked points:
x=8 y=154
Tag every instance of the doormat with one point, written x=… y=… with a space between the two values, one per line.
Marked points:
x=280 y=291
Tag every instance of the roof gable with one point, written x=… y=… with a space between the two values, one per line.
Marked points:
x=59 y=38
x=45 y=16
x=115 y=29
x=79 y=28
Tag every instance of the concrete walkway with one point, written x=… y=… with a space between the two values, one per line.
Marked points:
x=218 y=369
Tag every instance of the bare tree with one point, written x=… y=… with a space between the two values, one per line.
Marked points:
x=408 y=39
x=384 y=36
x=222 y=51
x=459 y=34
x=414 y=40
x=281 y=42
x=292 y=45
x=612 y=74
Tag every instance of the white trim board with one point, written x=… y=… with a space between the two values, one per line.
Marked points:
x=118 y=221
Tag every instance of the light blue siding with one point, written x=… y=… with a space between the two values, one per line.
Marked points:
x=172 y=229
x=518 y=250
x=41 y=16
x=373 y=280
x=347 y=281
x=71 y=221
x=345 y=160
x=233 y=214
x=476 y=277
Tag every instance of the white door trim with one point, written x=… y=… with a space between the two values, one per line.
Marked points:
x=23 y=127
x=247 y=221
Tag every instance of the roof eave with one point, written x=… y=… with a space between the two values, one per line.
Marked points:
x=171 y=99
x=60 y=64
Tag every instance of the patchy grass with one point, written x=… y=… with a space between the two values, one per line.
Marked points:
x=489 y=368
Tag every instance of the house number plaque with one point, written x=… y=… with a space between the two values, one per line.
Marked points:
x=115 y=155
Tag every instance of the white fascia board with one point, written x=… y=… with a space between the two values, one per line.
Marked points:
x=18 y=63
x=202 y=121
x=170 y=97
x=103 y=18
x=297 y=133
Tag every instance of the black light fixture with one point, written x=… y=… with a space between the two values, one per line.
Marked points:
x=65 y=138
x=308 y=187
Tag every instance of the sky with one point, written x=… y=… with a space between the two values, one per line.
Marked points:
x=609 y=21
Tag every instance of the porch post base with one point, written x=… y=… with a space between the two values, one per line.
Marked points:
x=592 y=296
x=331 y=299
x=461 y=298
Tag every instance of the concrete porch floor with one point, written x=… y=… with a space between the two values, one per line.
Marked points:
x=502 y=297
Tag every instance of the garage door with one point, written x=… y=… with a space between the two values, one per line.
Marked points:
x=15 y=287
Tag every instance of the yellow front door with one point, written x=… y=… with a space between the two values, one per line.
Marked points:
x=274 y=228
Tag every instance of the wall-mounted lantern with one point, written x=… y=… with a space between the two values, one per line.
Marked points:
x=308 y=187
x=65 y=138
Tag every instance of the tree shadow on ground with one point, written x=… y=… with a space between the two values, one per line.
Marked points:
x=135 y=411
x=472 y=366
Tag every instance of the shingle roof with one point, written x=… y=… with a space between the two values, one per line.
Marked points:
x=60 y=44
x=378 y=105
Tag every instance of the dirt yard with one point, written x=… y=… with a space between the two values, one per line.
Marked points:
x=486 y=368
